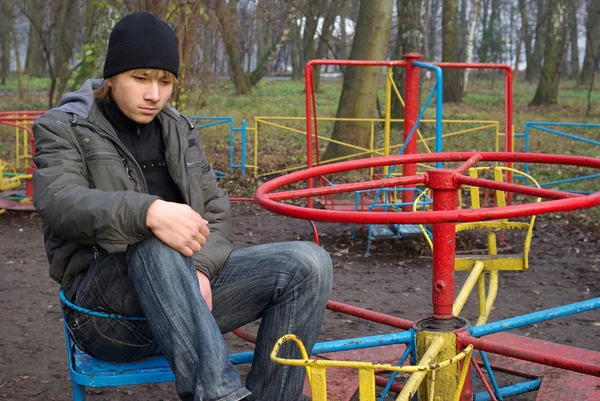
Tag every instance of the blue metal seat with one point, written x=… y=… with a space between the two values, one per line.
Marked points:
x=87 y=371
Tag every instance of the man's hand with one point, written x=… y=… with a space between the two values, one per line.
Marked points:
x=205 y=288
x=178 y=226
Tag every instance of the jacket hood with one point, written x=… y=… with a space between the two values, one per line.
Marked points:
x=80 y=102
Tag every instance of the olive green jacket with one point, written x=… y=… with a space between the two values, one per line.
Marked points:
x=91 y=193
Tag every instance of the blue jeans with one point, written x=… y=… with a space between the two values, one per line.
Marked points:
x=287 y=285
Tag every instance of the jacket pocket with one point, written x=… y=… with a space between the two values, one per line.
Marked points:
x=108 y=171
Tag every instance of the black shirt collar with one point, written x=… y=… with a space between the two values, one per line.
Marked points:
x=120 y=122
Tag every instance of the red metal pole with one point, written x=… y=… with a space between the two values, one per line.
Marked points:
x=559 y=361
x=370 y=315
x=411 y=113
x=445 y=197
x=308 y=85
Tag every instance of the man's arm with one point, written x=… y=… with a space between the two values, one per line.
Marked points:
x=73 y=210
x=217 y=212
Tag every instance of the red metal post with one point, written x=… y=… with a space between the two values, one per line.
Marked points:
x=411 y=113
x=445 y=197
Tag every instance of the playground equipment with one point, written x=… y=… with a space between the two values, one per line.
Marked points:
x=442 y=341
x=12 y=175
x=559 y=129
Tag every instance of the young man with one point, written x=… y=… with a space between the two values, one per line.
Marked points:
x=135 y=224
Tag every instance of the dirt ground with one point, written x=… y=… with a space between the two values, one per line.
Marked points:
x=395 y=279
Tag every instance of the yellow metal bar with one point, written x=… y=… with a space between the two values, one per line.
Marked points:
x=432 y=386
x=256 y=148
x=503 y=262
x=318 y=383
x=451 y=134
x=463 y=377
x=366 y=389
x=412 y=384
x=372 y=146
x=481 y=295
x=461 y=298
x=26 y=155
x=491 y=298
x=17 y=145
x=299 y=132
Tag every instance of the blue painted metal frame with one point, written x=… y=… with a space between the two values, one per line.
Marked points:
x=542 y=126
x=509 y=391
x=217 y=120
x=535 y=317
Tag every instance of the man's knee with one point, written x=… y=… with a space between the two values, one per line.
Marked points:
x=153 y=253
x=313 y=261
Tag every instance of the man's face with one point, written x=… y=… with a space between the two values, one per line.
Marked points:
x=141 y=94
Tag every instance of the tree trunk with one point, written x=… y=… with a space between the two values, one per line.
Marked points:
x=35 y=65
x=526 y=33
x=469 y=57
x=286 y=32
x=547 y=91
x=325 y=37
x=540 y=38
x=462 y=31
x=17 y=54
x=230 y=29
x=592 y=42
x=452 y=77
x=4 y=41
x=295 y=50
x=433 y=21
x=64 y=17
x=359 y=90
x=409 y=39
x=573 y=5
x=485 y=39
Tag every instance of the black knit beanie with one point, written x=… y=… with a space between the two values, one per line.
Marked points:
x=140 y=40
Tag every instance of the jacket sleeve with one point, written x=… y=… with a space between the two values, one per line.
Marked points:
x=217 y=212
x=67 y=204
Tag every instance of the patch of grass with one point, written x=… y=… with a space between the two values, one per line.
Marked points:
x=29 y=83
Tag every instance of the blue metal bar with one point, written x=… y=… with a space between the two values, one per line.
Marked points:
x=488 y=367
x=509 y=391
x=586 y=177
x=386 y=390
x=438 y=106
x=71 y=305
x=560 y=133
x=405 y=337
x=535 y=317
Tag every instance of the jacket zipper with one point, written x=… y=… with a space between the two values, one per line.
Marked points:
x=102 y=153
x=125 y=161
x=192 y=164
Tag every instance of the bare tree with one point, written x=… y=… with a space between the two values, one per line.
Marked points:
x=592 y=42
x=527 y=39
x=572 y=7
x=534 y=65
x=452 y=77
x=34 y=63
x=4 y=41
x=469 y=49
x=547 y=91
x=359 y=90
x=409 y=38
x=15 y=41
